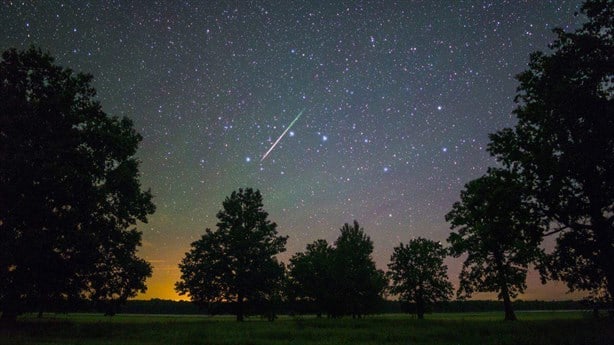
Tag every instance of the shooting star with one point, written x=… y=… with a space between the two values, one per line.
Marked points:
x=282 y=135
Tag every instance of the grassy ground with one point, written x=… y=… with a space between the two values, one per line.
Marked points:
x=476 y=328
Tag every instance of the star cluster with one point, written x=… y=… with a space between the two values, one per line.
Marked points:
x=399 y=100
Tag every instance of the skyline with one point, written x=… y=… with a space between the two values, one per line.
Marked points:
x=399 y=100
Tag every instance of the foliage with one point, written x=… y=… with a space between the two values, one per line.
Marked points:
x=310 y=275
x=500 y=233
x=340 y=279
x=418 y=274
x=114 y=281
x=357 y=285
x=237 y=262
x=563 y=146
x=69 y=190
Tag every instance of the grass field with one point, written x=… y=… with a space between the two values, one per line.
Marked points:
x=467 y=328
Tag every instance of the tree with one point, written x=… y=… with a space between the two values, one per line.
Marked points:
x=340 y=279
x=499 y=231
x=69 y=190
x=357 y=285
x=418 y=273
x=237 y=262
x=311 y=276
x=563 y=147
x=119 y=274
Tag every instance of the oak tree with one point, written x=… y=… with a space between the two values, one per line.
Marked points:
x=310 y=275
x=70 y=194
x=500 y=232
x=237 y=262
x=418 y=273
x=357 y=284
x=340 y=279
x=563 y=147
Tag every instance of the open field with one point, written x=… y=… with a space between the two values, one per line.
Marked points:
x=466 y=328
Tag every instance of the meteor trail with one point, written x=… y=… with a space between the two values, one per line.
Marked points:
x=282 y=135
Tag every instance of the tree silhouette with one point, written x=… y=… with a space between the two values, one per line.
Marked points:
x=500 y=233
x=357 y=284
x=310 y=275
x=119 y=274
x=563 y=147
x=418 y=273
x=69 y=190
x=237 y=262
x=340 y=279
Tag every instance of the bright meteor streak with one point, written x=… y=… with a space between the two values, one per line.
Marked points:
x=282 y=135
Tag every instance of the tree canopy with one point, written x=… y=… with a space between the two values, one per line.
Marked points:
x=70 y=194
x=563 y=147
x=311 y=276
x=499 y=231
x=237 y=262
x=357 y=284
x=418 y=274
x=341 y=279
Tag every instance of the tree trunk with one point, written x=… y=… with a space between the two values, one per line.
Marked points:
x=41 y=305
x=609 y=272
x=604 y=234
x=240 y=308
x=420 y=308
x=610 y=280
x=505 y=292
x=420 y=304
x=507 y=305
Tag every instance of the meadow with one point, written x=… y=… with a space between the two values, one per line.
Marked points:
x=569 y=327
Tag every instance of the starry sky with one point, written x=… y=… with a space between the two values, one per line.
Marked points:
x=398 y=99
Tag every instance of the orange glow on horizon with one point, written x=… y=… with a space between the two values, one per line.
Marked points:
x=162 y=286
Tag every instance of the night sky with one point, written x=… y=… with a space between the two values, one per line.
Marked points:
x=398 y=99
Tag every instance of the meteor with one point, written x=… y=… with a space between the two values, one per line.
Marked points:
x=282 y=135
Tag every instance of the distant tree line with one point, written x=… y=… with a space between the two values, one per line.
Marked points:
x=70 y=199
x=297 y=308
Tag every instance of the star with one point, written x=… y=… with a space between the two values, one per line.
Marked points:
x=211 y=89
